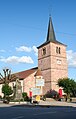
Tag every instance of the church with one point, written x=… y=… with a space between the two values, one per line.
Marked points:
x=52 y=65
x=52 y=60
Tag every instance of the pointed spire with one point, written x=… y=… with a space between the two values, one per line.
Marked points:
x=51 y=34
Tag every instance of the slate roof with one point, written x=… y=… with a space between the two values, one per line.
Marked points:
x=50 y=35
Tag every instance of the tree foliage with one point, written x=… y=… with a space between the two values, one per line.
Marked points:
x=52 y=94
x=7 y=90
x=24 y=94
x=68 y=85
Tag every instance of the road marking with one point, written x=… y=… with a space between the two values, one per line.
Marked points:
x=20 y=117
x=45 y=113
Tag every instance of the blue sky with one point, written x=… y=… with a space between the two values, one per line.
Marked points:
x=23 y=27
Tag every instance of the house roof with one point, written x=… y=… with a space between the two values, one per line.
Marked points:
x=26 y=73
x=38 y=73
x=21 y=75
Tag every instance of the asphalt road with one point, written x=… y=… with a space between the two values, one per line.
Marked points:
x=22 y=112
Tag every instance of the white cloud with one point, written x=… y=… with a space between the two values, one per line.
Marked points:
x=28 y=49
x=71 y=56
x=15 y=59
x=35 y=50
x=24 y=49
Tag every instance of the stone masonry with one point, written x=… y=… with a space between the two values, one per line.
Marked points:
x=52 y=60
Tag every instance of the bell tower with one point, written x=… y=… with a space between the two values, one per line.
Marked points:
x=52 y=60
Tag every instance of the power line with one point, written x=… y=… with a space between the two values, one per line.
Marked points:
x=41 y=29
x=72 y=34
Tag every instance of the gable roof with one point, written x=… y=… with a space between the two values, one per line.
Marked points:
x=21 y=75
x=38 y=73
x=26 y=73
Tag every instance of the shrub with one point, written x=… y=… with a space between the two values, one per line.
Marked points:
x=24 y=94
x=0 y=97
x=52 y=94
x=25 y=97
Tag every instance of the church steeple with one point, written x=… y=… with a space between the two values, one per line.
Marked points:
x=51 y=34
x=52 y=60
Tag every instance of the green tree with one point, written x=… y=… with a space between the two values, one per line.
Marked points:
x=68 y=85
x=7 y=90
x=24 y=94
x=73 y=87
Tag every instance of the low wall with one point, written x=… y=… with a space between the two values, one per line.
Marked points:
x=73 y=99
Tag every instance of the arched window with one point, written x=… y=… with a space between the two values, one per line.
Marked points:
x=44 y=51
x=59 y=50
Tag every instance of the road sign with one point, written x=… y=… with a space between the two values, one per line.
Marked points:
x=39 y=82
x=36 y=91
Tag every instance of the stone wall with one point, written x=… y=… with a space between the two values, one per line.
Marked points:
x=29 y=83
x=53 y=65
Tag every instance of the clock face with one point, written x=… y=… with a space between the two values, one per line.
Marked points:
x=58 y=61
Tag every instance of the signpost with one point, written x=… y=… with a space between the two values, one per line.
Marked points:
x=36 y=91
x=39 y=82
